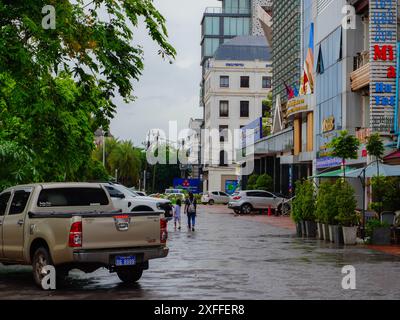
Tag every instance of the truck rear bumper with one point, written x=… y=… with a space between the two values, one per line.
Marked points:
x=107 y=257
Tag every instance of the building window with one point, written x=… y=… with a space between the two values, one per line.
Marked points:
x=224 y=109
x=236 y=6
x=266 y=82
x=223 y=133
x=210 y=45
x=244 y=109
x=236 y=26
x=224 y=81
x=245 y=82
x=223 y=158
x=211 y=26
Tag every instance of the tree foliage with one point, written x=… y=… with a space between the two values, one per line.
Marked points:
x=375 y=146
x=57 y=86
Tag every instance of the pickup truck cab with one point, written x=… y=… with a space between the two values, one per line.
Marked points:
x=75 y=225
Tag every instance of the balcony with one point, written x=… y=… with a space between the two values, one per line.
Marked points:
x=213 y=10
x=360 y=76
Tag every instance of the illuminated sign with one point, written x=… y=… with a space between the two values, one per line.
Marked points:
x=383 y=39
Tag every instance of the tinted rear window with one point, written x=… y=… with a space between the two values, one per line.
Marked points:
x=72 y=197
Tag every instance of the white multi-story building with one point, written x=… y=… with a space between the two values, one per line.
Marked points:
x=237 y=80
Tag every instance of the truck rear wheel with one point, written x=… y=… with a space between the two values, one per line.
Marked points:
x=41 y=258
x=130 y=275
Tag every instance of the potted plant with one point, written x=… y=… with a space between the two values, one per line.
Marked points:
x=322 y=206
x=296 y=210
x=330 y=211
x=308 y=208
x=378 y=232
x=347 y=216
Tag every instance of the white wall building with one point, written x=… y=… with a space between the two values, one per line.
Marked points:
x=237 y=80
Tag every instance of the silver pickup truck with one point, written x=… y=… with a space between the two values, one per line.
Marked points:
x=75 y=225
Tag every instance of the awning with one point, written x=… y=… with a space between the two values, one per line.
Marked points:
x=371 y=170
x=334 y=174
x=393 y=156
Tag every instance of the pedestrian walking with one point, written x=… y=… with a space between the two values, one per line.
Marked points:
x=190 y=210
x=177 y=214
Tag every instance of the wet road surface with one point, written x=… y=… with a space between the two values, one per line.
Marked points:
x=230 y=258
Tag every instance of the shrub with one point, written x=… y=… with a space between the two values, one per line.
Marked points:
x=322 y=203
x=373 y=224
x=297 y=203
x=251 y=183
x=264 y=182
x=346 y=204
x=303 y=206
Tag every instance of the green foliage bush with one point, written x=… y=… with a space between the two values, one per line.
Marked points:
x=346 y=204
x=252 y=182
x=373 y=224
x=303 y=206
x=264 y=182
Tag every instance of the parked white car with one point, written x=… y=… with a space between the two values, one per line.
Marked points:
x=128 y=201
x=247 y=201
x=213 y=197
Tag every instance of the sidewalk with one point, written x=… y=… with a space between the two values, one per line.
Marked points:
x=391 y=249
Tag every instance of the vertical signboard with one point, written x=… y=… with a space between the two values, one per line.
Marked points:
x=383 y=53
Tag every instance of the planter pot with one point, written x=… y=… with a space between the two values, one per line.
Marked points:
x=349 y=235
x=298 y=229
x=338 y=235
x=303 y=228
x=320 y=230
x=331 y=233
x=381 y=236
x=311 y=229
x=325 y=231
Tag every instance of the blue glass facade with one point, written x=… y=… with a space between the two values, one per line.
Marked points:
x=329 y=85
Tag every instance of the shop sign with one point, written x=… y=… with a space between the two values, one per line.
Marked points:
x=298 y=105
x=328 y=124
x=383 y=39
x=328 y=162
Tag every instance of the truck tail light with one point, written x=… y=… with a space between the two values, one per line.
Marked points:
x=237 y=198
x=163 y=231
x=75 y=235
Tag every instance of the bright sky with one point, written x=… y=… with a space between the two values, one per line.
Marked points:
x=166 y=92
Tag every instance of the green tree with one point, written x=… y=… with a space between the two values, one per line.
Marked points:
x=376 y=148
x=252 y=182
x=264 y=182
x=125 y=160
x=57 y=86
x=345 y=146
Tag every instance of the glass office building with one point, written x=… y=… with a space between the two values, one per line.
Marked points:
x=232 y=19
x=286 y=47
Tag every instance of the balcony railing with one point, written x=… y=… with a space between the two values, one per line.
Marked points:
x=360 y=76
x=214 y=10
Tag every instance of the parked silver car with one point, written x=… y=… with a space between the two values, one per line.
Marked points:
x=213 y=197
x=247 y=201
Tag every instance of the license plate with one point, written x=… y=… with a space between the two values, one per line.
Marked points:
x=125 y=260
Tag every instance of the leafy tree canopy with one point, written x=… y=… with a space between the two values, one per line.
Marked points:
x=57 y=86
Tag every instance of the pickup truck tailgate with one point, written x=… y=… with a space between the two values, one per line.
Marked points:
x=121 y=231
